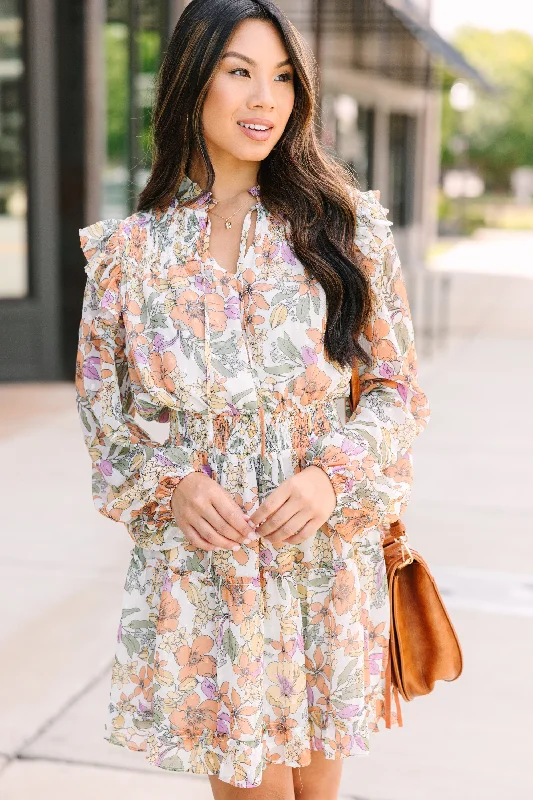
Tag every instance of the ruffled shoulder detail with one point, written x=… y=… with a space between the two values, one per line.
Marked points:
x=373 y=235
x=101 y=242
x=369 y=209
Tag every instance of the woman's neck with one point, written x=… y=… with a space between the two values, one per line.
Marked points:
x=229 y=182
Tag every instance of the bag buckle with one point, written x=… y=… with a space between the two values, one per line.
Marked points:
x=405 y=548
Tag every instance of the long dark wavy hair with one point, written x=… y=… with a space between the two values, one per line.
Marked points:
x=300 y=182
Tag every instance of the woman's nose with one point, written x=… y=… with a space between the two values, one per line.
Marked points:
x=262 y=95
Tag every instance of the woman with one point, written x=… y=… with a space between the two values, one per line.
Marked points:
x=254 y=630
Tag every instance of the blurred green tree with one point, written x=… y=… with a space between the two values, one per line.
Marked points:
x=116 y=51
x=499 y=126
x=117 y=68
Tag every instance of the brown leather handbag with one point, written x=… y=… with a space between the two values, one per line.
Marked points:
x=423 y=644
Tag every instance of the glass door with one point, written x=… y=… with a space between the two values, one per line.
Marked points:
x=14 y=271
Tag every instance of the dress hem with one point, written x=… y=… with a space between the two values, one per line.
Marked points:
x=225 y=767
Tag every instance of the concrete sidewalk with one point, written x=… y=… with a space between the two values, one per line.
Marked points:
x=470 y=517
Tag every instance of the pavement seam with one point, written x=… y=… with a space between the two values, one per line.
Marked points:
x=19 y=753
x=159 y=773
x=120 y=767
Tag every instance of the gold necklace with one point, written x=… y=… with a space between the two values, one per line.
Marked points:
x=227 y=221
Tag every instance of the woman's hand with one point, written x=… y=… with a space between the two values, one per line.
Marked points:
x=297 y=508
x=208 y=515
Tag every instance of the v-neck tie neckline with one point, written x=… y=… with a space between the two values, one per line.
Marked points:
x=208 y=264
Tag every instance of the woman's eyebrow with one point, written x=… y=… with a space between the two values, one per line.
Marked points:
x=251 y=61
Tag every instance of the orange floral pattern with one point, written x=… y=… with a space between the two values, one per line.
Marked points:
x=227 y=661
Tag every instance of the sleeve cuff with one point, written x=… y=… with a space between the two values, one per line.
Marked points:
x=363 y=500
x=148 y=498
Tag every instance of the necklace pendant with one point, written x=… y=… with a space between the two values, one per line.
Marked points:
x=228 y=224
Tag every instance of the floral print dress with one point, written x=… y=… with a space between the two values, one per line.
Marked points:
x=229 y=660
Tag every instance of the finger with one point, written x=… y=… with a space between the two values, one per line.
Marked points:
x=279 y=518
x=211 y=535
x=205 y=503
x=220 y=526
x=308 y=530
x=291 y=527
x=227 y=518
x=275 y=499
x=195 y=539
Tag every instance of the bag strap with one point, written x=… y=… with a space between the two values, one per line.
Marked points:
x=391 y=691
x=355 y=387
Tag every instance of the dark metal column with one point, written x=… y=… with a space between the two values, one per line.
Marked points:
x=30 y=326
x=71 y=144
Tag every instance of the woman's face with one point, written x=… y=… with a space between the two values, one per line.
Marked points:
x=253 y=85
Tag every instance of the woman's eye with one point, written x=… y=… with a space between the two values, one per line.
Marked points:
x=285 y=76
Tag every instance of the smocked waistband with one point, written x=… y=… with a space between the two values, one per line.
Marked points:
x=284 y=428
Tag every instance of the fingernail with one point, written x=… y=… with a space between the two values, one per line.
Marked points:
x=247 y=540
x=254 y=536
x=235 y=547
x=251 y=524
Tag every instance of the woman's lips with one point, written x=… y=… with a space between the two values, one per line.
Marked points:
x=259 y=136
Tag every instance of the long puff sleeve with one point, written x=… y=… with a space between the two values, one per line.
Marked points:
x=369 y=461
x=133 y=477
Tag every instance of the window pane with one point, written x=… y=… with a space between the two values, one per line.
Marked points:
x=348 y=130
x=136 y=33
x=402 y=162
x=13 y=193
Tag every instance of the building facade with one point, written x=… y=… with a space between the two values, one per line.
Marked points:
x=76 y=86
